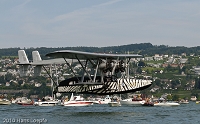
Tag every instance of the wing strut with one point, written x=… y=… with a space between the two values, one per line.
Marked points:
x=95 y=74
x=83 y=67
x=113 y=70
x=127 y=68
x=71 y=68
x=84 y=71
x=50 y=75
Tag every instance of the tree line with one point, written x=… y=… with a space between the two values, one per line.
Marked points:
x=142 y=48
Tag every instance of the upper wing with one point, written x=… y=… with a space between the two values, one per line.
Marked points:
x=70 y=54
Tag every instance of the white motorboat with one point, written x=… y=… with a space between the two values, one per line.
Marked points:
x=162 y=102
x=184 y=102
x=105 y=100
x=46 y=101
x=114 y=102
x=135 y=99
x=24 y=101
x=13 y=101
x=76 y=101
x=5 y=102
x=166 y=104
x=132 y=101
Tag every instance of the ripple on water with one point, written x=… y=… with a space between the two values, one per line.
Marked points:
x=103 y=114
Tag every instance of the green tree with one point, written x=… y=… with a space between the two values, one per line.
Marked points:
x=197 y=83
x=139 y=70
x=9 y=77
x=141 y=64
x=20 y=82
x=157 y=82
x=174 y=83
x=169 y=97
x=175 y=97
x=2 y=80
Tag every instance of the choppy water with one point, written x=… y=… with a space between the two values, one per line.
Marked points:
x=101 y=114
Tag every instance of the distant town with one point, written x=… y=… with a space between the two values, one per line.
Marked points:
x=170 y=73
x=175 y=75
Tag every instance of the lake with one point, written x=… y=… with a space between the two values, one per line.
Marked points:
x=101 y=114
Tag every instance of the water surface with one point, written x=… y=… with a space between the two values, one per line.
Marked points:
x=101 y=114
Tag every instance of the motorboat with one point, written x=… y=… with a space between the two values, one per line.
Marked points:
x=136 y=100
x=114 y=102
x=166 y=103
x=162 y=102
x=148 y=102
x=5 y=102
x=105 y=100
x=76 y=101
x=24 y=101
x=184 y=102
x=132 y=101
x=13 y=100
x=46 y=101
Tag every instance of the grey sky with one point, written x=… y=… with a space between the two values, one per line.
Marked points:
x=64 y=23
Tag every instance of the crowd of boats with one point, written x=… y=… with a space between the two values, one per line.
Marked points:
x=78 y=100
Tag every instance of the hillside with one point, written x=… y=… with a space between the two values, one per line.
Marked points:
x=175 y=76
x=142 y=48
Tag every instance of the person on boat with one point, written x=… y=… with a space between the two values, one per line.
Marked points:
x=66 y=99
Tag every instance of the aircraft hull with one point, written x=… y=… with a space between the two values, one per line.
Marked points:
x=118 y=87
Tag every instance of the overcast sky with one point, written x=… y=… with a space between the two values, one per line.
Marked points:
x=98 y=23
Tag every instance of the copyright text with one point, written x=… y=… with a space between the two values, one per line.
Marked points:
x=24 y=120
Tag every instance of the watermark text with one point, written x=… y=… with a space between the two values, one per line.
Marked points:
x=25 y=120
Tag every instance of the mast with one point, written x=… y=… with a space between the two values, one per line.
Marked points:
x=52 y=88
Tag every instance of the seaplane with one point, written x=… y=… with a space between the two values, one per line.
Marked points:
x=102 y=73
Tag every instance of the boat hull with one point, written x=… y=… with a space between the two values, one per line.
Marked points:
x=46 y=103
x=78 y=103
x=5 y=102
x=103 y=101
x=132 y=102
x=114 y=104
x=148 y=104
x=24 y=104
x=100 y=102
x=106 y=88
x=166 y=104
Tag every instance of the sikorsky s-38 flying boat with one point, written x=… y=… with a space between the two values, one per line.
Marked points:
x=102 y=73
